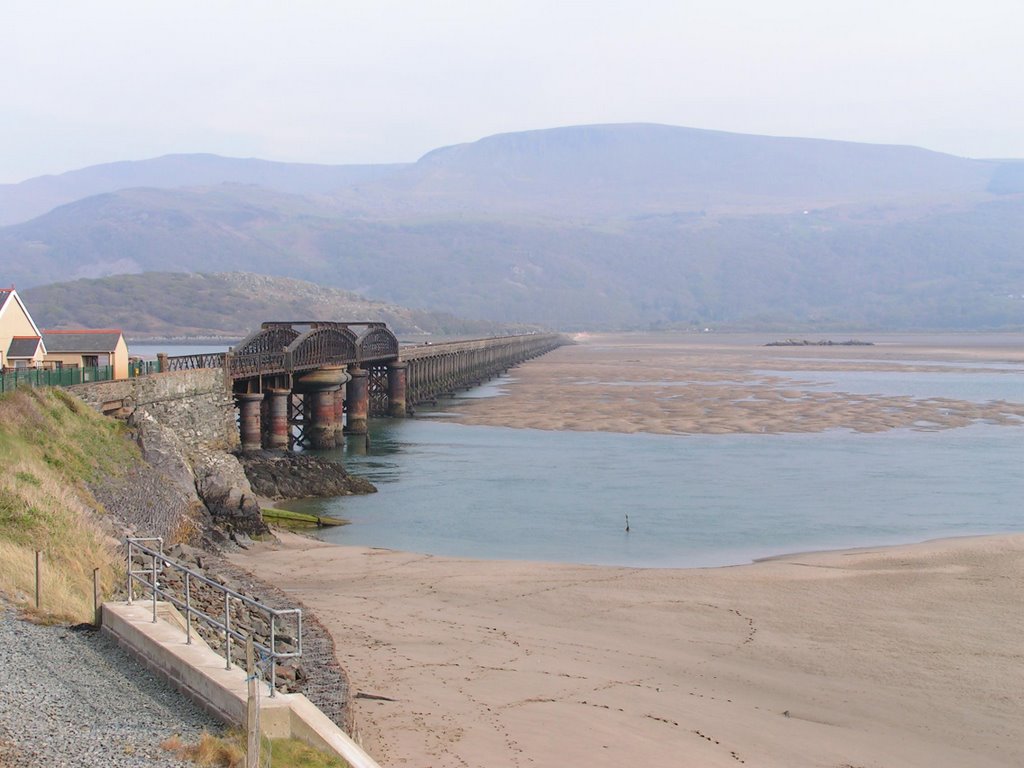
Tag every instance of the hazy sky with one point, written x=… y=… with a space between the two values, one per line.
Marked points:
x=85 y=81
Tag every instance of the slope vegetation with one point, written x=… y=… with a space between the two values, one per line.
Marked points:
x=51 y=447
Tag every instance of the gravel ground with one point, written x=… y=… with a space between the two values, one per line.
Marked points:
x=72 y=697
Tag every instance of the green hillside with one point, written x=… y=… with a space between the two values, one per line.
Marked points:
x=226 y=305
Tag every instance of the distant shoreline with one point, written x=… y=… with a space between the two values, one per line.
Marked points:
x=197 y=341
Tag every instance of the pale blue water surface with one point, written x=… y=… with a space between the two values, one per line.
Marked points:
x=150 y=351
x=692 y=500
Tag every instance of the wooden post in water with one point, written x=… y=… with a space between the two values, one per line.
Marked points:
x=39 y=576
x=252 y=749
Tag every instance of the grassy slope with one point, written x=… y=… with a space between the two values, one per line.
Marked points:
x=51 y=445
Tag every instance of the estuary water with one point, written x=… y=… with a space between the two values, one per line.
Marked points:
x=691 y=500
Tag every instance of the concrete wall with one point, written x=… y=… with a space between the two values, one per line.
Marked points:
x=199 y=673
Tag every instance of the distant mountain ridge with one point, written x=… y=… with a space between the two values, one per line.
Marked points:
x=604 y=226
x=606 y=169
x=658 y=168
x=36 y=196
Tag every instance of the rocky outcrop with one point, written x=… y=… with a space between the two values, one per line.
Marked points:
x=165 y=451
x=278 y=475
x=184 y=423
x=226 y=492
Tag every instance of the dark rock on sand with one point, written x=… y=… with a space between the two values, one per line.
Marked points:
x=280 y=475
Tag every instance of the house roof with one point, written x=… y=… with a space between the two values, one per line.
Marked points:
x=23 y=347
x=91 y=340
x=10 y=298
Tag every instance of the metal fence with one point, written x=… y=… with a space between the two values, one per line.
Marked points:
x=143 y=368
x=153 y=566
x=53 y=377
x=67 y=376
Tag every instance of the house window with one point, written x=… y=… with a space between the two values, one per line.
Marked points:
x=90 y=361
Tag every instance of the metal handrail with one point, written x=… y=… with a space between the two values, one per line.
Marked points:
x=152 y=583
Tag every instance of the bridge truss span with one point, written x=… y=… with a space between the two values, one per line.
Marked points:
x=435 y=370
x=319 y=344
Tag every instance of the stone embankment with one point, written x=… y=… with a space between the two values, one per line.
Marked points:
x=201 y=486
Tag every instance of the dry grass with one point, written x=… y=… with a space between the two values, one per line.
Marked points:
x=229 y=752
x=50 y=446
x=210 y=752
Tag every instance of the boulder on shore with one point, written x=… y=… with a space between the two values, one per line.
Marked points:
x=224 y=488
x=285 y=475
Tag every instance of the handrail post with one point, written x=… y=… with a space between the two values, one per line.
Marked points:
x=227 y=630
x=273 y=654
x=131 y=584
x=153 y=585
x=188 y=610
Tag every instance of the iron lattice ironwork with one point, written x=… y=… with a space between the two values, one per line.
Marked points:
x=297 y=420
x=378 y=384
x=296 y=346
x=377 y=343
x=326 y=344
x=195 y=362
x=262 y=351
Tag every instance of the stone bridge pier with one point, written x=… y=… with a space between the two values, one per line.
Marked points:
x=357 y=401
x=321 y=390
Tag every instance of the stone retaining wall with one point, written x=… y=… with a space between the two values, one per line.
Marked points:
x=197 y=405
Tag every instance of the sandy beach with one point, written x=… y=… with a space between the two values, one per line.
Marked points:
x=905 y=656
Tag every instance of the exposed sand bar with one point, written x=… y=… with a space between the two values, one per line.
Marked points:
x=908 y=656
x=718 y=384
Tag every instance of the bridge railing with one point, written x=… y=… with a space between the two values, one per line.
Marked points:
x=196 y=362
x=254 y=363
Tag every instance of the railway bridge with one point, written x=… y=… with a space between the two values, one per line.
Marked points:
x=312 y=382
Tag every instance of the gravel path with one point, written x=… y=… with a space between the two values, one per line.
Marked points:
x=72 y=697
